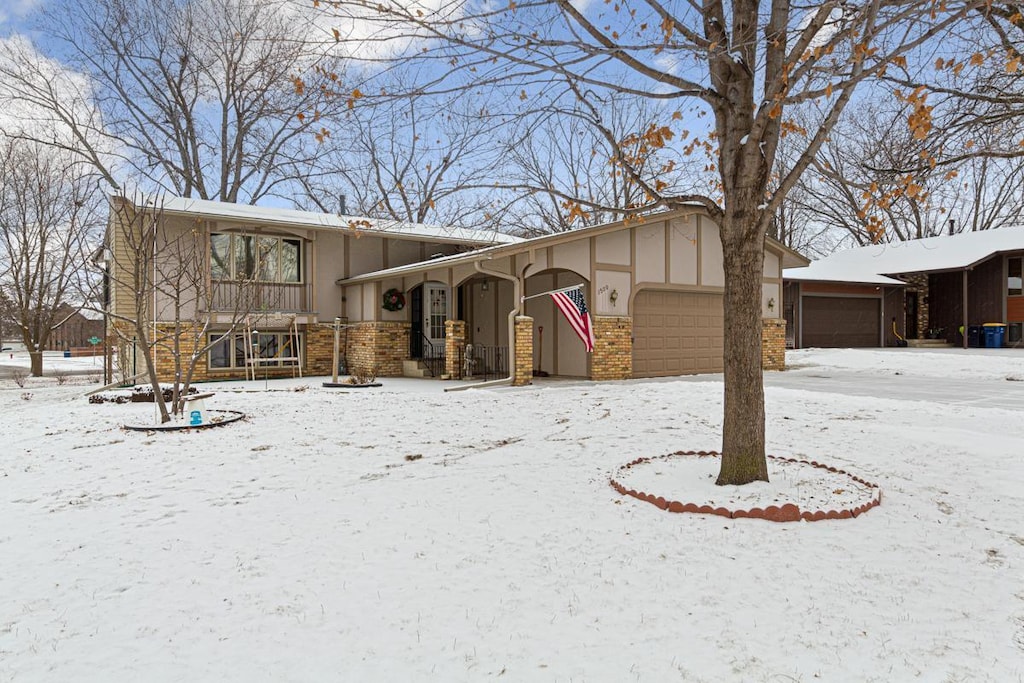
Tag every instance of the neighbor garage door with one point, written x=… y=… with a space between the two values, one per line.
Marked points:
x=676 y=333
x=841 y=322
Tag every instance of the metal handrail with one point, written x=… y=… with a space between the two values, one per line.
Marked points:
x=433 y=360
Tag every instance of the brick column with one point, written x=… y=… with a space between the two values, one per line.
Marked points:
x=613 y=348
x=378 y=348
x=454 y=345
x=773 y=344
x=524 y=351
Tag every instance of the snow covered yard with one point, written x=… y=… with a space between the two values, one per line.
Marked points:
x=402 y=533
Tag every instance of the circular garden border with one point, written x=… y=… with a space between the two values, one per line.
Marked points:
x=773 y=513
x=230 y=416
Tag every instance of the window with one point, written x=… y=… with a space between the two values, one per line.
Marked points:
x=1014 y=286
x=271 y=348
x=245 y=257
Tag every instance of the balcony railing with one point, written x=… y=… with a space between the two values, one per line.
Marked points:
x=261 y=296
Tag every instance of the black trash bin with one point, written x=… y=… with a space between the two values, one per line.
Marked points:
x=975 y=336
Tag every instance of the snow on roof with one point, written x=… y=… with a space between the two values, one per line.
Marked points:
x=327 y=221
x=522 y=245
x=872 y=263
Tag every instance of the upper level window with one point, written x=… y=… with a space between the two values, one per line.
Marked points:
x=1014 y=281
x=248 y=257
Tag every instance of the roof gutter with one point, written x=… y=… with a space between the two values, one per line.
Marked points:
x=517 y=298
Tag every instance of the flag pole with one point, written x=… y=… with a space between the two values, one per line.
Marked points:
x=553 y=291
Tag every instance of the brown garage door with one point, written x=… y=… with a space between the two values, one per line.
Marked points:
x=676 y=333
x=841 y=322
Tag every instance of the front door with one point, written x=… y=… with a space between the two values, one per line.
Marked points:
x=435 y=312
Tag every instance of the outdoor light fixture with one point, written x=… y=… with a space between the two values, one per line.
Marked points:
x=485 y=286
x=614 y=296
x=771 y=304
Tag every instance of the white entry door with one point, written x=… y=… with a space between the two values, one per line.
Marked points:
x=435 y=312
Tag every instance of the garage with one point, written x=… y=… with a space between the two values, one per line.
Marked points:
x=841 y=322
x=677 y=333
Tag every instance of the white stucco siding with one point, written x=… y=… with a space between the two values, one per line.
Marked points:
x=712 y=273
x=772 y=265
x=683 y=240
x=574 y=256
x=371 y=307
x=613 y=248
x=606 y=282
x=650 y=252
x=367 y=254
x=771 y=294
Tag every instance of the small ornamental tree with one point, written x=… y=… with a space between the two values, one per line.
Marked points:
x=736 y=71
x=165 y=300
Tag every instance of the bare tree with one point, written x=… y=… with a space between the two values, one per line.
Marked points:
x=201 y=99
x=746 y=64
x=49 y=221
x=566 y=170
x=413 y=159
x=870 y=184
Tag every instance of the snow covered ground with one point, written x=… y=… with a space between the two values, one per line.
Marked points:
x=404 y=533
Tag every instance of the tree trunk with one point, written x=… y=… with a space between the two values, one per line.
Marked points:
x=36 y=358
x=149 y=348
x=743 y=450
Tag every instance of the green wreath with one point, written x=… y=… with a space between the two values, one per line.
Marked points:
x=394 y=300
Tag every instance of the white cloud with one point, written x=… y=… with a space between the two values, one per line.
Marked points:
x=31 y=85
x=13 y=10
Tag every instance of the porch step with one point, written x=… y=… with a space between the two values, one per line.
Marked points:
x=929 y=344
x=414 y=368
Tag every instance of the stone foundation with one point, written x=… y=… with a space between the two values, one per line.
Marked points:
x=524 y=351
x=613 y=348
x=773 y=344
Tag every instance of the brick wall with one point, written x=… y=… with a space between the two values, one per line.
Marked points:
x=524 y=351
x=319 y=350
x=378 y=348
x=454 y=343
x=773 y=344
x=613 y=348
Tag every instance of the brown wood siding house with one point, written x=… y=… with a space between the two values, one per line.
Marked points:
x=939 y=287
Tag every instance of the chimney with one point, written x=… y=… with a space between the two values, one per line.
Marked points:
x=343 y=211
x=952 y=223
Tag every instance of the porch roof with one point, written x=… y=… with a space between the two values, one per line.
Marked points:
x=265 y=215
x=872 y=264
x=789 y=256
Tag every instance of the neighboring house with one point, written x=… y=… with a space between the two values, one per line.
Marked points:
x=75 y=329
x=932 y=287
x=413 y=293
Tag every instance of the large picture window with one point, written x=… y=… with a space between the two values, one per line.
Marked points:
x=274 y=349
x=247 y=257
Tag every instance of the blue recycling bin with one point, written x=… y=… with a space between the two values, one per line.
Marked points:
x=995 y=333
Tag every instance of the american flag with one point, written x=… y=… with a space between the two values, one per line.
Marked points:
x=574 y=306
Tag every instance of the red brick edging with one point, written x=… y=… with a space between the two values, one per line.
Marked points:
x=785 y=513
